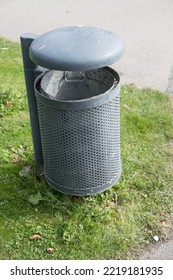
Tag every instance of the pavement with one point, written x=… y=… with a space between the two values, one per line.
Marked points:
x=144 y=26
x=159 y=252
x=162 y=246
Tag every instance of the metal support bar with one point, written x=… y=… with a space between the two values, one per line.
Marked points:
x=31 y=71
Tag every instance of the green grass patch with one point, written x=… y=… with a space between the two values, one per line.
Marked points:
x=104 y=226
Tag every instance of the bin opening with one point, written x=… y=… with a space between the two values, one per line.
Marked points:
x=66 y=86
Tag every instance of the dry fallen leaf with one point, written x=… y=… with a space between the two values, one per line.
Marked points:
x=25 y=171
x=16 y=159
x=126 y=107
x=167 y=225
x=8 y=104
x=50 y=250
x=35 y=236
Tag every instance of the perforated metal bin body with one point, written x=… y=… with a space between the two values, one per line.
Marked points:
x=81 y=135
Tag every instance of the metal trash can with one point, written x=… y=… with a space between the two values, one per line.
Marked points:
x=78 y=101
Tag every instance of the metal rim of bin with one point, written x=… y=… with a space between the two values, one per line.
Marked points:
x=80 y=104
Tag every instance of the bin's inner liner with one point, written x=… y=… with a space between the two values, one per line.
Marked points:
x=55 y=84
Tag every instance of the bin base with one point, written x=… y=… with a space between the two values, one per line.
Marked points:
x=84 y=191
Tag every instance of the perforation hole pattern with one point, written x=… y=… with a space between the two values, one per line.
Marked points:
x=81 y=149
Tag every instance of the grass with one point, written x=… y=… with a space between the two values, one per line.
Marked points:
x=104 y=226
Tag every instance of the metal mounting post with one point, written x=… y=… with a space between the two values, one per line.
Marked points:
x=31 y=71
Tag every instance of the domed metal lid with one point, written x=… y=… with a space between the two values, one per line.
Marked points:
x=76 y=48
